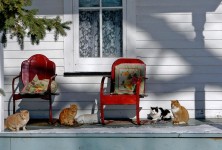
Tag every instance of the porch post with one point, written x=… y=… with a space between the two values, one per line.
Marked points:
x=1 y=86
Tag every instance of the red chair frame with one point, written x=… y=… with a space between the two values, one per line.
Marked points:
x=45 y=69
x=120 y=99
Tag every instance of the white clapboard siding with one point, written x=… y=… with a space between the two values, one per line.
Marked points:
x=48 y=7
x=40 y=46
x=9 y=63
x=49 y=37
x=180 y=42
x=24 y=54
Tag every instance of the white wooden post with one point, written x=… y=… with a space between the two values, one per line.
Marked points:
x=131 y=28
x=69 y=39
x=1 y=86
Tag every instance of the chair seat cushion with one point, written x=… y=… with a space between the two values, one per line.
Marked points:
x=126 y=76
x=37 y=86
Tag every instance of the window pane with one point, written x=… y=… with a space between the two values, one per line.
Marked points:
x=112 y=33
x=89 y=3
x=111 y=3
x=89 y=34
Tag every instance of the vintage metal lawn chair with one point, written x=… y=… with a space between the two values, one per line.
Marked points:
x=127 y=85
x=37 y=75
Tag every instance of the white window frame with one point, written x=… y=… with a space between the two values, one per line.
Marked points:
x=72 y=62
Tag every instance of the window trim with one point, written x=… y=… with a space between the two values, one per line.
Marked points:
x=70 y=44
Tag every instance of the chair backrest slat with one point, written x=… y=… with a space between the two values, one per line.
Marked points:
x=37 y=65
x=120 y=61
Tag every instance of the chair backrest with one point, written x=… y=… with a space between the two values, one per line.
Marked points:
x=124 y=71
x=37 y=65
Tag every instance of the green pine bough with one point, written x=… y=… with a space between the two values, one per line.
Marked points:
x=18 y=21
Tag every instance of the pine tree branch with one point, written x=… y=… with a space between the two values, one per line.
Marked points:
x=20 y=23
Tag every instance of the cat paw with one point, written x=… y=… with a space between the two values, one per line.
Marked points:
x=176 y=122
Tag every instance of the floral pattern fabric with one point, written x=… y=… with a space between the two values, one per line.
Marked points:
x=126 y=76
x=37 y=86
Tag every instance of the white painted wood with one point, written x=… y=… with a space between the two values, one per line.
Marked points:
x=80 y=63
x=56 y=54
x=49 y=37
x=196 y=3
x=131 y=28
x=10 y=63
x=41 y=46
x=76 y=34
x=69 y=39
x=181 y=48
x=2 y=87
x=48 y=7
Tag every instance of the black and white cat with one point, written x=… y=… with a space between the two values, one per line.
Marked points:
x=165 y=114
x=158 y=113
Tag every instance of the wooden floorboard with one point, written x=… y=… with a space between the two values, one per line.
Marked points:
x=198 y=134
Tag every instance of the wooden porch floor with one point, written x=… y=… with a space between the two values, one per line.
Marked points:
x=202 y=134
x=200 y=126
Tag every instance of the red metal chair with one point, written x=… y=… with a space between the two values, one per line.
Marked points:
x=127 y=85
x=41 y=66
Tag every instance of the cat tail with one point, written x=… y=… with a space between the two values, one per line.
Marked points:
x=2 y=92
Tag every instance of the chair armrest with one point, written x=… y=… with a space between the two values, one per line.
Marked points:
x=50 y=81
x=13 y=83
x=139 y=80
x=138 y=87
x=53 y=77
x=102 y=84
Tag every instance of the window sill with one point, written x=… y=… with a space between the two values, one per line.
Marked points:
x=72 y=74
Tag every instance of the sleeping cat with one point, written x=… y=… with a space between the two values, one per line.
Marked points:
x=16 y=121
x=67 y=115
x=158 y=113
x=180 y=113
x=88 y=119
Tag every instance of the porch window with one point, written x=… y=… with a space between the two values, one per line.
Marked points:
x=100 y=28
x=98 y=34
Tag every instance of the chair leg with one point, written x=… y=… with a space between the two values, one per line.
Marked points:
x=137 y=114
x=13 y=106
x=102 y=114
x=50 y=110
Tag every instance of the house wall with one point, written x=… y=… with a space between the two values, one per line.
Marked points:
x=180 y=41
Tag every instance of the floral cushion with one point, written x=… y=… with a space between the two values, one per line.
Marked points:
x=37 y=86
x=126 y=76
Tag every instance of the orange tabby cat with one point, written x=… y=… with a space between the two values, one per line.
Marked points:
x=16 y=121
x=180 y=113
x=67 y=115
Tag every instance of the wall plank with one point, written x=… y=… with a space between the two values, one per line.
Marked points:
x=180 y=42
